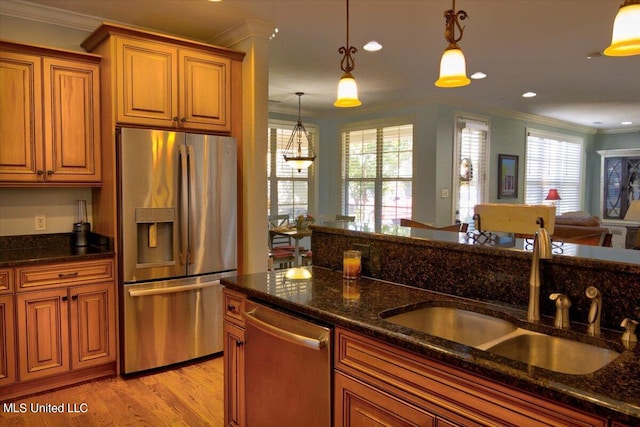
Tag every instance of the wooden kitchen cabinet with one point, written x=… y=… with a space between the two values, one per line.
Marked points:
x=49 y=116
x=65 y=326
x=377 y=378
x=7 y=341
x=233 y=328
x=166 y=82
x=43 y=333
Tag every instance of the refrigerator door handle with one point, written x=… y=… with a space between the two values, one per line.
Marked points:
x=192 y=197
x=184 y=205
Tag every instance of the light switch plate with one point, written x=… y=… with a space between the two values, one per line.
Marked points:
x=444 y=193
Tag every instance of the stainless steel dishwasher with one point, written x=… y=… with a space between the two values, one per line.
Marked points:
x=287 y=370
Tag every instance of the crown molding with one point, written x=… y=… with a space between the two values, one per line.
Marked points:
x=248 y=29
x=48 y=15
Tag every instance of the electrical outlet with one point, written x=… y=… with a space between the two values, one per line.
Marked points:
x=444 y=193
x=41 y=222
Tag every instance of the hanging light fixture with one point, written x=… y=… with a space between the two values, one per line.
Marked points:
x=347 y=88
x=453 y=68
x=625 y=40
x=297 y=155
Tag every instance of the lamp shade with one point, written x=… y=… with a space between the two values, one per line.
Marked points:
x=633 y=213
x=625 y=40
x=347 y=92
x=453 y=69
x=553 y=195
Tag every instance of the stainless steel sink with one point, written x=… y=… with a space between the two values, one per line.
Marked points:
x=502 y=337
x=554 y=353
x=455 y=324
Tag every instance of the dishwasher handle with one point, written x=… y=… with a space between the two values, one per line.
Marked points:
x=305 y=341
x=171 y=289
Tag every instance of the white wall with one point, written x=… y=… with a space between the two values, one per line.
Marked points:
x=19 y=207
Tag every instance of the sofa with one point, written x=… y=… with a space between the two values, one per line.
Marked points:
x=576 y=224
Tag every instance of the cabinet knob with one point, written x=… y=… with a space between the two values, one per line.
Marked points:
x=49 y=172
x=65 y=298
x=39 y=172
x=231 y=307
x=175 y=119
x=239 y=343
x=74 y=297
x=183 y=119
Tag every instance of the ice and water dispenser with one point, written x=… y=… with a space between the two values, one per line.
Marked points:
x=154 y=228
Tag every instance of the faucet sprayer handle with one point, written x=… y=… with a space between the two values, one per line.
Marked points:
x=592 y=292
x=562 y=301
x=629 y=335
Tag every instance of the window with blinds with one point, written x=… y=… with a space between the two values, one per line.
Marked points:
x=472 y=146
x=377 y=173
x=288 y=189
x=554 y=161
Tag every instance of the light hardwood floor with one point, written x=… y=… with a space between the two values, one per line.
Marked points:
x=189 y=395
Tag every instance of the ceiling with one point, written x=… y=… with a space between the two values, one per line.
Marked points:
x=522 y=45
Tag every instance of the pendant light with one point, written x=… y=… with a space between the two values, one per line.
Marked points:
x=298 y=154
x=453 y=68
x=625 y=40
x=347 y=88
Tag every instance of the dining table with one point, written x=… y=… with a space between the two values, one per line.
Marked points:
x=296 y=234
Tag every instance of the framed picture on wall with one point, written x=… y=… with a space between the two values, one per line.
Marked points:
x=507 y=176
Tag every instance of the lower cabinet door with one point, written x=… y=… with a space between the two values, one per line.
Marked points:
x=357 y=404
x=234 y=411
x=7 y=343
x=93 y=324
x=43 y=333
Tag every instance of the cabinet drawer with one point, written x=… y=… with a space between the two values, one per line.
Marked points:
x=446 y=391
x=6 y=280
x=234 y=306
x=71 y=273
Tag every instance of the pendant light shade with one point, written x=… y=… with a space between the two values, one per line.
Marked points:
x=347 y=92
x=453 y=67
x=347 y=88
x=625 y=40
x=299 y=153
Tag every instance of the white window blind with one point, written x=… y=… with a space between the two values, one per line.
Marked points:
x=288 y=190
x=554 y=161
x=472 y=141
x=378 y=175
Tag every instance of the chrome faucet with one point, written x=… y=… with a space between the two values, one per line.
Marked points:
x=562 y=309
x=595 y=310
x=541 y=250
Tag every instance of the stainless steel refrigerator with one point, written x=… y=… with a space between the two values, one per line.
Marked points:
x=177 y=238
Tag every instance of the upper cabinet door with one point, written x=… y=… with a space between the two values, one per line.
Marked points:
x=21 y=155
x=147 y=83
x=205 y=91
x=71 y=121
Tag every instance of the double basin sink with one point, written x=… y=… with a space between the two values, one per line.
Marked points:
x=502 y=337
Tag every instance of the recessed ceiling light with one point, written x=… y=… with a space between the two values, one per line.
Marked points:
x=529 y=94
x=372 y=46
x=478 y=75
x=626 y=123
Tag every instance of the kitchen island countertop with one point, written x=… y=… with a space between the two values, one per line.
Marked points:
x=611 y=392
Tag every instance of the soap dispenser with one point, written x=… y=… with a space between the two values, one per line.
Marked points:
x=81 y=228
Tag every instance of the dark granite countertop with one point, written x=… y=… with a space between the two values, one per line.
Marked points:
x=47 y=248
x=613 y=391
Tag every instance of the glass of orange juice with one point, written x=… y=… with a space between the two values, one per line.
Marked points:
x=351 y=264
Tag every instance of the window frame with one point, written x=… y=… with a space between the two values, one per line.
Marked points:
x=562 y=138
x=378 y=180
x=273 y=205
